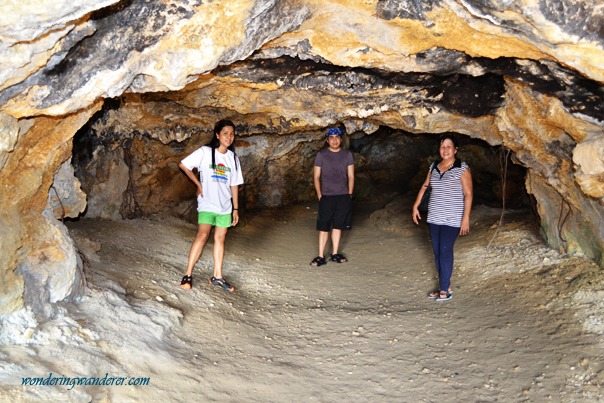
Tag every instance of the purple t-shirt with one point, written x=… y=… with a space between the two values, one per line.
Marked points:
x=334 y=171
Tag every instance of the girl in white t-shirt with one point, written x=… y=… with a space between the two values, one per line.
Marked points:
x=217 y=198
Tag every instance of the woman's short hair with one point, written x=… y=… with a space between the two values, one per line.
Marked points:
x=448 y=136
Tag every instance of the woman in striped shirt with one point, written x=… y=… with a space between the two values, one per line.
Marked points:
x=448 y=210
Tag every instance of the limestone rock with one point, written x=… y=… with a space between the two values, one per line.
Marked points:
x=65 y=198
x=106 y=187
x=51 y=271
x=9 y=128
x=589 y=157
x=41 y=148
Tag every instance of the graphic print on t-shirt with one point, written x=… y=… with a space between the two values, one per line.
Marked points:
x=220 y=173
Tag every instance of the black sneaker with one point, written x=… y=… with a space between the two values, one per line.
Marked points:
x=221 y=282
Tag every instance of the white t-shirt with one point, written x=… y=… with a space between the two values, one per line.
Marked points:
x=216 y=181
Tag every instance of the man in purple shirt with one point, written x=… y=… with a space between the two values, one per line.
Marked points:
x=333 y=177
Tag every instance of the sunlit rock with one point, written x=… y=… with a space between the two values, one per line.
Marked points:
x=65 y=198
x=51 y=270
x=589 y=157
x=9 y=128
x=18 y=326
x=42 y=147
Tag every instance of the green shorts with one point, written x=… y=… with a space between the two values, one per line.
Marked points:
x=218 y=220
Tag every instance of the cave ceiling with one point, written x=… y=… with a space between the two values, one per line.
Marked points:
x=524 y=74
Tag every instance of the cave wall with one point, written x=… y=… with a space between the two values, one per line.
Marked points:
x=36 y=175
x=128 y=174
x=526 y=75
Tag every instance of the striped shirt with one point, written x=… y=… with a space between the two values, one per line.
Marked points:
x=447 y=200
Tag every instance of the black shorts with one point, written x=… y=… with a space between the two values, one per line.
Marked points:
x=335 y=212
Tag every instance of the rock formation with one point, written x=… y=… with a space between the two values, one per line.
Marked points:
x=139 y=83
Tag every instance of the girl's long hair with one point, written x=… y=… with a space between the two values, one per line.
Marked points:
x=215 y=143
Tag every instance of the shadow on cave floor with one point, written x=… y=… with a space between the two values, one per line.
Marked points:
x=516 y=329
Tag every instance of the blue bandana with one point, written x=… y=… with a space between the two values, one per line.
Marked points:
x=334 y=131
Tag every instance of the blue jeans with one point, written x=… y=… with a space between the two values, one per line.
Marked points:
x=443 y=239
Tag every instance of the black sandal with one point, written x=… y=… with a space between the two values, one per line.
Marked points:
x=187 y=282
x=338 y=258
x=221 y=282
x=318 y=261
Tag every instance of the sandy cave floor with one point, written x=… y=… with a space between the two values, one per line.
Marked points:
x=525 y=323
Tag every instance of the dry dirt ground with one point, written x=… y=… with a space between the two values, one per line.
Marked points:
x=525 y=323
